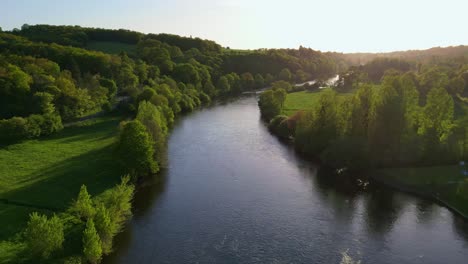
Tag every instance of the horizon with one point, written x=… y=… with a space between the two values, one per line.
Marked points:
x=375 y=27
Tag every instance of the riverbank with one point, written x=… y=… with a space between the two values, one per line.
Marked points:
x=441 y=184
x=444 y=184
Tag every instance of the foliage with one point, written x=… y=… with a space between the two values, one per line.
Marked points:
x=92 y=250
x=156 y=125
x=83 y=205
x=44 y=236
x=271 y=103
x=135 y=149
x=279 y=126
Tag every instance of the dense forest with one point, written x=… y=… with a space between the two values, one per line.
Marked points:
x=53 y=76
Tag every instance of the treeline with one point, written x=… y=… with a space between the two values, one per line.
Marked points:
x=432 y=55
x=75 y=35
x=45 y=84
x=448 y=74
x=84 y=233
x=304 y=64
x=406 y=118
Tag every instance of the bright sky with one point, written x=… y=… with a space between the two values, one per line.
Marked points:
x=327 y=25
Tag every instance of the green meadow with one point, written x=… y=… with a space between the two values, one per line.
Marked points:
x=304 y=100
x=46 y=174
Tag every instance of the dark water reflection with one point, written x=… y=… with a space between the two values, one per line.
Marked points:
x=234 y=194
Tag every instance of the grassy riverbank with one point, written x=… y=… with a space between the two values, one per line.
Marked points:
x=445 y=184
x=45 y=175
x=442 y=183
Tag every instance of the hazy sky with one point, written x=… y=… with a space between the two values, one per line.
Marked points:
x=331 y=25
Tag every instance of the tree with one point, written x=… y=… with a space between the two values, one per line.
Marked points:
x=282 y=85
x=437 y=123
x=44 y=236
x=285 y=75
x=118 y=203
x=223 y=85
x=92 y=250
x=135 y=149
x=83 y=206
x=271 y=103
x=385 y=125
x=105 y=227
x=155 y=123
x=209 y=89
x=186 y=72
x=318 y=128
x=259 y=81
x=456 y=85
x=247 y=80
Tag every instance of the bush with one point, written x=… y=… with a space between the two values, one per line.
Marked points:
x=43 y=235
x=52 y=124
x=13 y=129
x=279 y=126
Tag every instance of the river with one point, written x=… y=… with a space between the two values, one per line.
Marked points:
x=233 y=193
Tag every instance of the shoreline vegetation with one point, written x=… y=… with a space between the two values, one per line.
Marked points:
x=423 y=128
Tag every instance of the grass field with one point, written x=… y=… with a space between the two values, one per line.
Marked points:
x=303 y=100
x=111 y=47
x=46 y=174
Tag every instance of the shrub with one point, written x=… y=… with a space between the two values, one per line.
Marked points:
x=43 y=235
x=279 y=126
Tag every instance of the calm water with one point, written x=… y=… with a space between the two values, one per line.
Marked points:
x=234 y=194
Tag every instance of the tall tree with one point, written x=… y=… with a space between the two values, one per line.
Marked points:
x=92 y=250
x=83 y=206
x=135 y=149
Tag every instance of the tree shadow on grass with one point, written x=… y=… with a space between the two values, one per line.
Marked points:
x=59 y=184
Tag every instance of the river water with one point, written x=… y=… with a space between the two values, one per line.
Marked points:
x=233 y=193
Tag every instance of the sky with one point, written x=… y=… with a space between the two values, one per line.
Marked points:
x=328 y=25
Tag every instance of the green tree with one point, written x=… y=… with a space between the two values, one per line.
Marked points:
x=118 y=203
x=285 y=75
x=271 y=103
x=437 y=123
x=44 y=236
x=259 y=81
x=186 y=72
x=92 y=250
x=135 y=149
x=248 y=81
x=456 y=85
x=223 y=85
x=282 y=85
x=105 y=227
x=83 y=206
x=385 y=125
x=150 y=116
